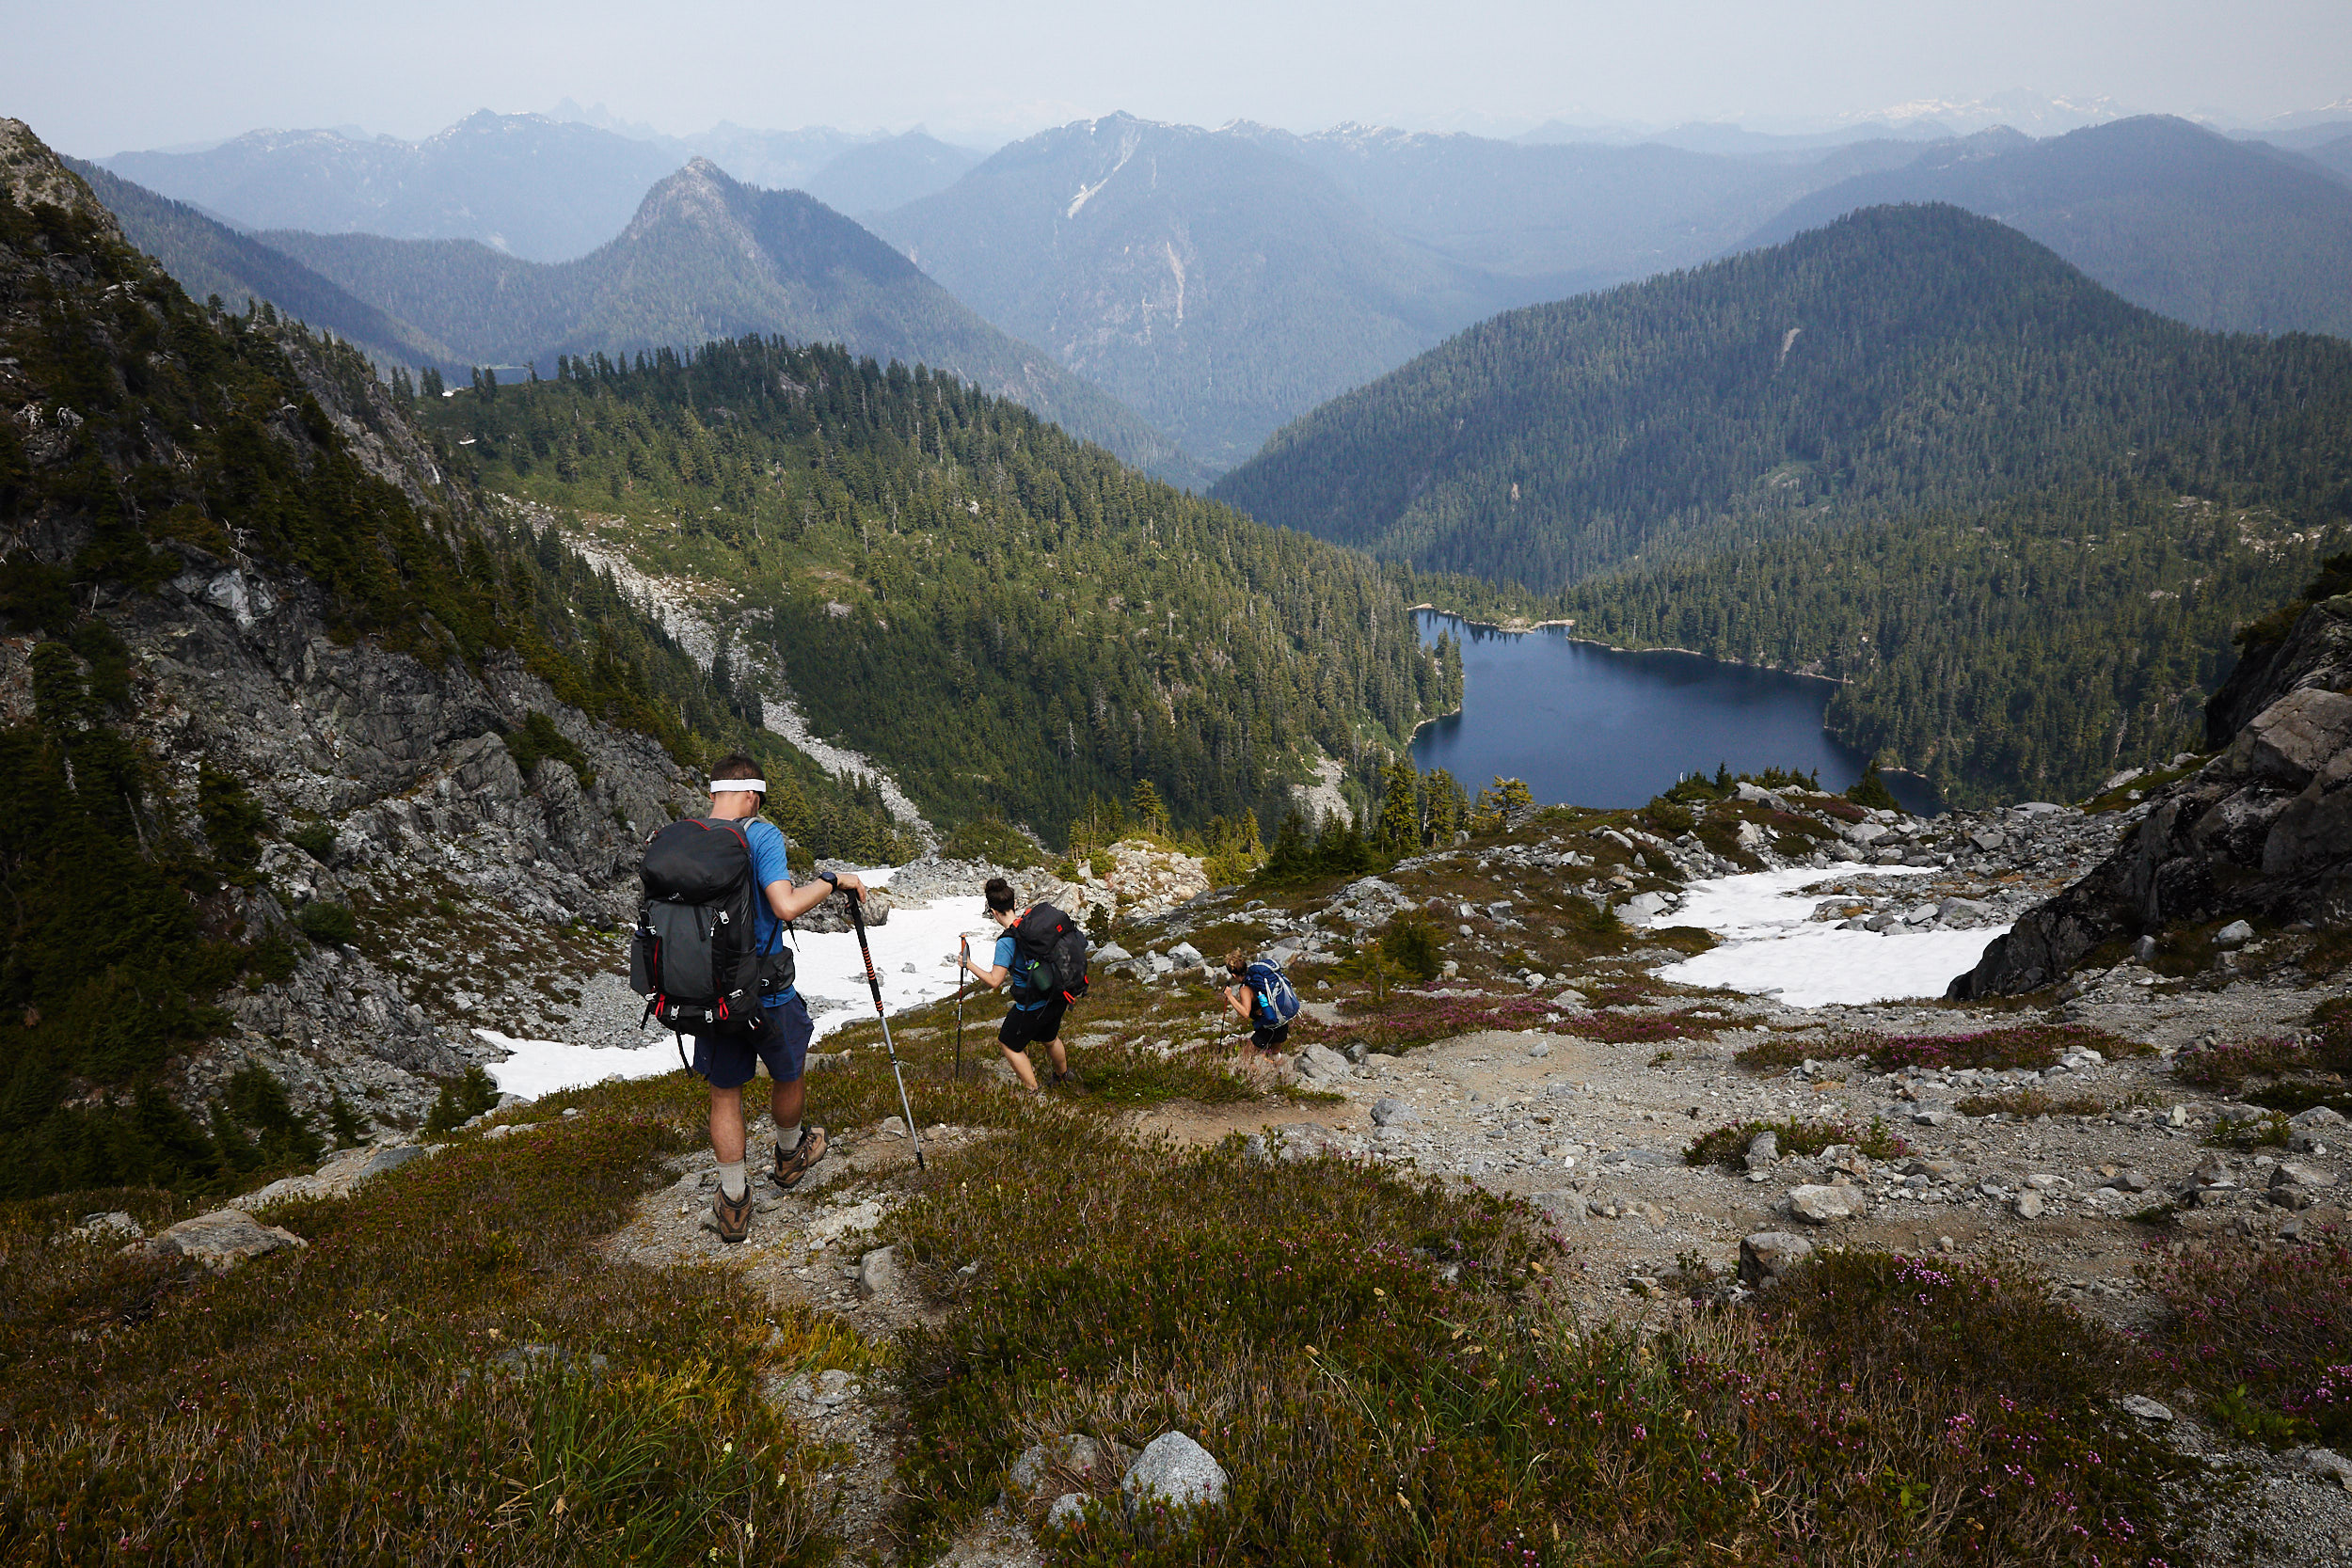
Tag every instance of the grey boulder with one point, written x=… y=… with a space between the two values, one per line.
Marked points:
x=219 y=1241
x=1321 y=1061
x=1827 y=1205
x=1767 y=1255
x=1387 y=1111
x=1173 y=1473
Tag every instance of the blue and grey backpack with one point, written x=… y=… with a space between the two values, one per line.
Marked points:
x=1274 y=1000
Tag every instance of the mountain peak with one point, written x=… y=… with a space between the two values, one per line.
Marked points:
x=31 y=173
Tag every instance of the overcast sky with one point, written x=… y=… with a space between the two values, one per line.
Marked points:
x=100 y=76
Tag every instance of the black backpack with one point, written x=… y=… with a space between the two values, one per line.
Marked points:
x=1049 y=956
x=694 y=956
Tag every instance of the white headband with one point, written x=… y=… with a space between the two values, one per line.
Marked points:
x=749 y=786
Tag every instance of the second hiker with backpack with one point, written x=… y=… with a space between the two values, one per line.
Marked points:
x=1260 y=995
x=1041 y=952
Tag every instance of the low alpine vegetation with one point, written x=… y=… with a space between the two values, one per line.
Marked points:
x=1728 y=1145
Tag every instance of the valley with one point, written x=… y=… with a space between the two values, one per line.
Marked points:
x=1823 y=1040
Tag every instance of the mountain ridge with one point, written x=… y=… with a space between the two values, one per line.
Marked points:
x=707 y=256
x=2172 y=216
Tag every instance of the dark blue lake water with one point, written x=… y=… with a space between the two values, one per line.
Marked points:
x=1588 y=726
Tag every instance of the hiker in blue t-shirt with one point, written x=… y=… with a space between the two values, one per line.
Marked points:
x=729 y=1061
x=1037 y=1021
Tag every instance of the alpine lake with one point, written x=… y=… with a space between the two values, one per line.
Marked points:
x=1594 y=726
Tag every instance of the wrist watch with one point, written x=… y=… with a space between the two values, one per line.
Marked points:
x=830 y=878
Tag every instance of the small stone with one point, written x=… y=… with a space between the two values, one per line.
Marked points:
x=2027 y=1205
x=1321 y=1061
x=2177 y=1117
x=1173 y=1472
x=2144 y=950
x=2328 y=1465
x=1826 y=1204
x=1763 y=1150
x=2235 y=934
x=1068 y=1509
x=2146 y=1408
x=893 y=1127
x=1767 y=1255
x=1387 y=1111
x=114 y=1226
x=878 y=1271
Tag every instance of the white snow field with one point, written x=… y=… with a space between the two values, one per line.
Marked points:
x=1769 y=946
x=829 y=969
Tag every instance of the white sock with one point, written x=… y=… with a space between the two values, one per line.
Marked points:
x=787 y=1139
x=732 y=1181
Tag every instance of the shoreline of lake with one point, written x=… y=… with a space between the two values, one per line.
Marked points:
x=1588 y=724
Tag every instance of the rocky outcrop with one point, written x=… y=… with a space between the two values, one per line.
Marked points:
x=2263 y=830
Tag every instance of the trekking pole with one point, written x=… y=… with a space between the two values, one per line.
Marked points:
x=964 y=947
x=857 y=918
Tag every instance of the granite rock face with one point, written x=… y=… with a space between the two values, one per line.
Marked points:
x=2262 y=833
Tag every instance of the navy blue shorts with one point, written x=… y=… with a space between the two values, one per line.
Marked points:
x=728 y=1061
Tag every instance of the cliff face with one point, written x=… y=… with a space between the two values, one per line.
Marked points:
x=2262 y=831
x=231 y=573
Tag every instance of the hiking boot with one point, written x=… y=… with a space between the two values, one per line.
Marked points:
x=791 y=1168
x=1069 y=1076
x=731 y=1218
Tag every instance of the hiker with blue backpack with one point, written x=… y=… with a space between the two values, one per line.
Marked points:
x=1042 y=954
x=1261 y=996
x=710 y=959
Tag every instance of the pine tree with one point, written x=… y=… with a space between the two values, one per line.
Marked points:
x=1399 y=830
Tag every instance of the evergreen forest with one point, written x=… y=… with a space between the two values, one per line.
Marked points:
x=1014 y=623
x=1913 y=451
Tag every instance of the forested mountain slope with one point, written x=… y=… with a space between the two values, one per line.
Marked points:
x=1913 y=449
x=707 y=256
x=1011 y=620
x=1218 y=285
x=2214 y=232
x=298 y=750
x=207 y=258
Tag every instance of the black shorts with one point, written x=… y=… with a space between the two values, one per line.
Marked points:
x=728 y=1061
x=1028 y=1026
x=1270 y=1036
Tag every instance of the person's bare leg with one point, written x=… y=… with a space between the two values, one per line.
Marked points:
x=726 y=1125
x=1062 y=1058
x=787 y=1101
x=1021 y=1066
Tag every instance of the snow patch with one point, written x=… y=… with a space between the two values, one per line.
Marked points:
x=1771 y=945
x=830 y=974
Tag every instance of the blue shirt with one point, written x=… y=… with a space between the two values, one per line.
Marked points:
x=769 y=864
x=1004 y=953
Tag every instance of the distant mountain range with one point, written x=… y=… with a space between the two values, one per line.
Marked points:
x=2214 y=232
x=207 y=258
x=1898 y=359
x=1223 y=283
x=704 y=256
x=1216 y=284
x=540 y=188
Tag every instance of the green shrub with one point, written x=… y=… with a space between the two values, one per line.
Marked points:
x=314 y=839
x=1410 y=942
x=994 y=840
x=461 y=1100
x=1871 y=791
x=536 y=739
x=1666 y=816
x=233 y=820
x=329 y=923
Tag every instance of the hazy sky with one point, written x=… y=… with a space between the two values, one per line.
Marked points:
x=99 y=77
